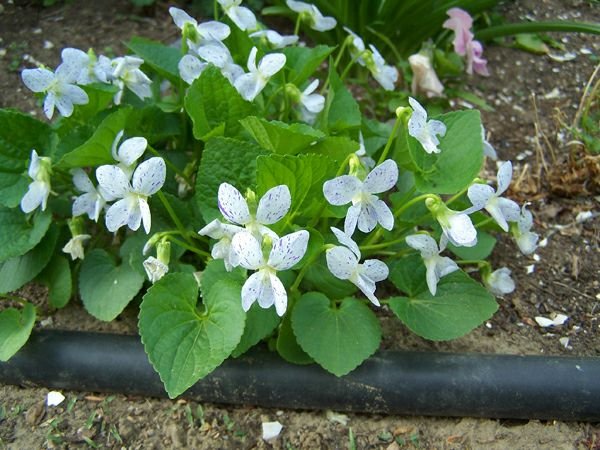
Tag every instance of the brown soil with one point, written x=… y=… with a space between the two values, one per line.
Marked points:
x=565 y=277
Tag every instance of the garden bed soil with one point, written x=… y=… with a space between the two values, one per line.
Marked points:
x=528 y=92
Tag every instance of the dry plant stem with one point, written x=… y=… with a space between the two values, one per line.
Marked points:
x=586 y=91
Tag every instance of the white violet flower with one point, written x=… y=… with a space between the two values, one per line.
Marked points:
x=343 y=263
x=271 y=208
x=204 y=32
x=423 y=130
x=264 y=286
x=128 y=152
x=240 y=15
x=39 y=189
x=457 y=226
x=217 y=54
x=437 y=266
x=525 y=238
x=75 y=246
x=224 y=232
x=357 y=46
x=128 y=74
x=190 y=68
x=91 y=202
x=60 y=87
x=155 y=269
x=132 y=209
x=499 y=282
x=312 y=15
x=367 y=209
x=488 y=149
x=251 y=84
x=385 y=74
x=275 y=39
x=311 y=104
x=501 y=209
x=365 y=160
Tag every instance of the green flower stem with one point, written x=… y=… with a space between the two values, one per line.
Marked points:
x=382 y=245
x=174 y=218
x=171 y=166
x=457 y=195
x=537 y=27
x=349 y=66
x=297 y=27
x=472 y=262
x=216 y=9
x=272 y=97
x=191 y=248
x=412 y=202
x=484 y=222
x=388 y=145
x=300 y=276
x=340 y=54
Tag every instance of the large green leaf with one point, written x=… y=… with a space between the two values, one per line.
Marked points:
x=18 y=234
x=97 y=149
x=17 y=271
x=303 y=61
x=162 y=58
x=224 y=160
x=185 y=343
x=215 y=106
x=342 y=109
x=215 y=271
x=287 y=345
x=408 y=274
x=484 y=247
x=460 y=304
x=280 y=137
x=460 y=157
x=304 y=175
x=57 y=277
x=19 y=134
x=260 y=323
x=105 y=287
x=339 y=338
x=15 y=328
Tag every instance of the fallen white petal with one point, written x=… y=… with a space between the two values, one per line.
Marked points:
x=544 y=321
x=564 y=342
x=530 y=268
x=583 y=216
x=337 y=417
x=560 y=319
x=54 y=398
x=270 y=430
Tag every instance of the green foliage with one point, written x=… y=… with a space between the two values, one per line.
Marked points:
x=15 y=328
x=484 y=247
x=460 y=304
x=203 y=337
x=341 y=111
x=302 y=62
x=105 y=287
x=162 y=58
x=18 y=233
x=215 y=107
x=281 y=138
x=351 y=331
x=57 y=277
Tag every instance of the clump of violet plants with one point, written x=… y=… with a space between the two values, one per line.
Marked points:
x=235 y=187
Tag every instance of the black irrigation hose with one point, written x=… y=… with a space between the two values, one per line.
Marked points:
x=419 y=383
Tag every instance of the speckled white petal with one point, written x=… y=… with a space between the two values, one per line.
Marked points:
x=74 y=66
x=367 y=286
x=213 y=229
x=351 y=219
x=64 y=105
x=37 y=80
x=214 y=30
x=376 y=270
x=525 y=220
x=527 y=242
x=271 y=64
x=461 y=231
x=274 y=205
x=288 y=250
x=149 y=176
x=499 y=282
x=384 y=214
x=118 y=214
x=418 y=118
x=242 y=17
x=36 y=195
x=190 y=68
x=445 y=266
x=113 y=180
x=504 y=176
x=437 y=127
x=247 y=247
x=510 y=209
x=340 y=190
x=49 y=104
x=342 y=263
x=233 y=205
x=298 y=6
x=251 y=290
x=279 y=295
x=81 y=180
x=85 y=204
x=131 y=150
x=248 y=86
x=215 y=53
x=480 y=195
x=145 y=213
x=180 y=17
x=382 y=178
x=367 y=219
x=346 y=240
x=424 y=244
x=266 y=297
x=431 y=275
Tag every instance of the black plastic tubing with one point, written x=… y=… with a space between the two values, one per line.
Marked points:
x=410 y=383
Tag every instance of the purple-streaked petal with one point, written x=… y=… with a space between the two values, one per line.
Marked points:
x=367 y=286
x=342 y=263
x=131 y=149
x=424 y=243
x=274 y=205
x=340 y=190
x=384 y=214
x=279 y=295
x=352 y=219
x=288 y=250
x=367 y=219
x=81 y=180
x=382 y=178
x=113 y=181
x=145 y=214
x=233 y=205
x=376 y=270
x=119 y=214
x=504 y=176
x=37 y=80
x=149 y=176
x=346 y=240
x=480 y=195
x=248 y=250
x=251 y=290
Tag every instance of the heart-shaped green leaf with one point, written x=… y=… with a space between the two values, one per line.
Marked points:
x=339 y=338
x=460 y=304
x=15 y=328
x=185 y=343
x=106 y=288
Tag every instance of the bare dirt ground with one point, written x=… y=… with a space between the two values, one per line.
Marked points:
x=564 y=279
